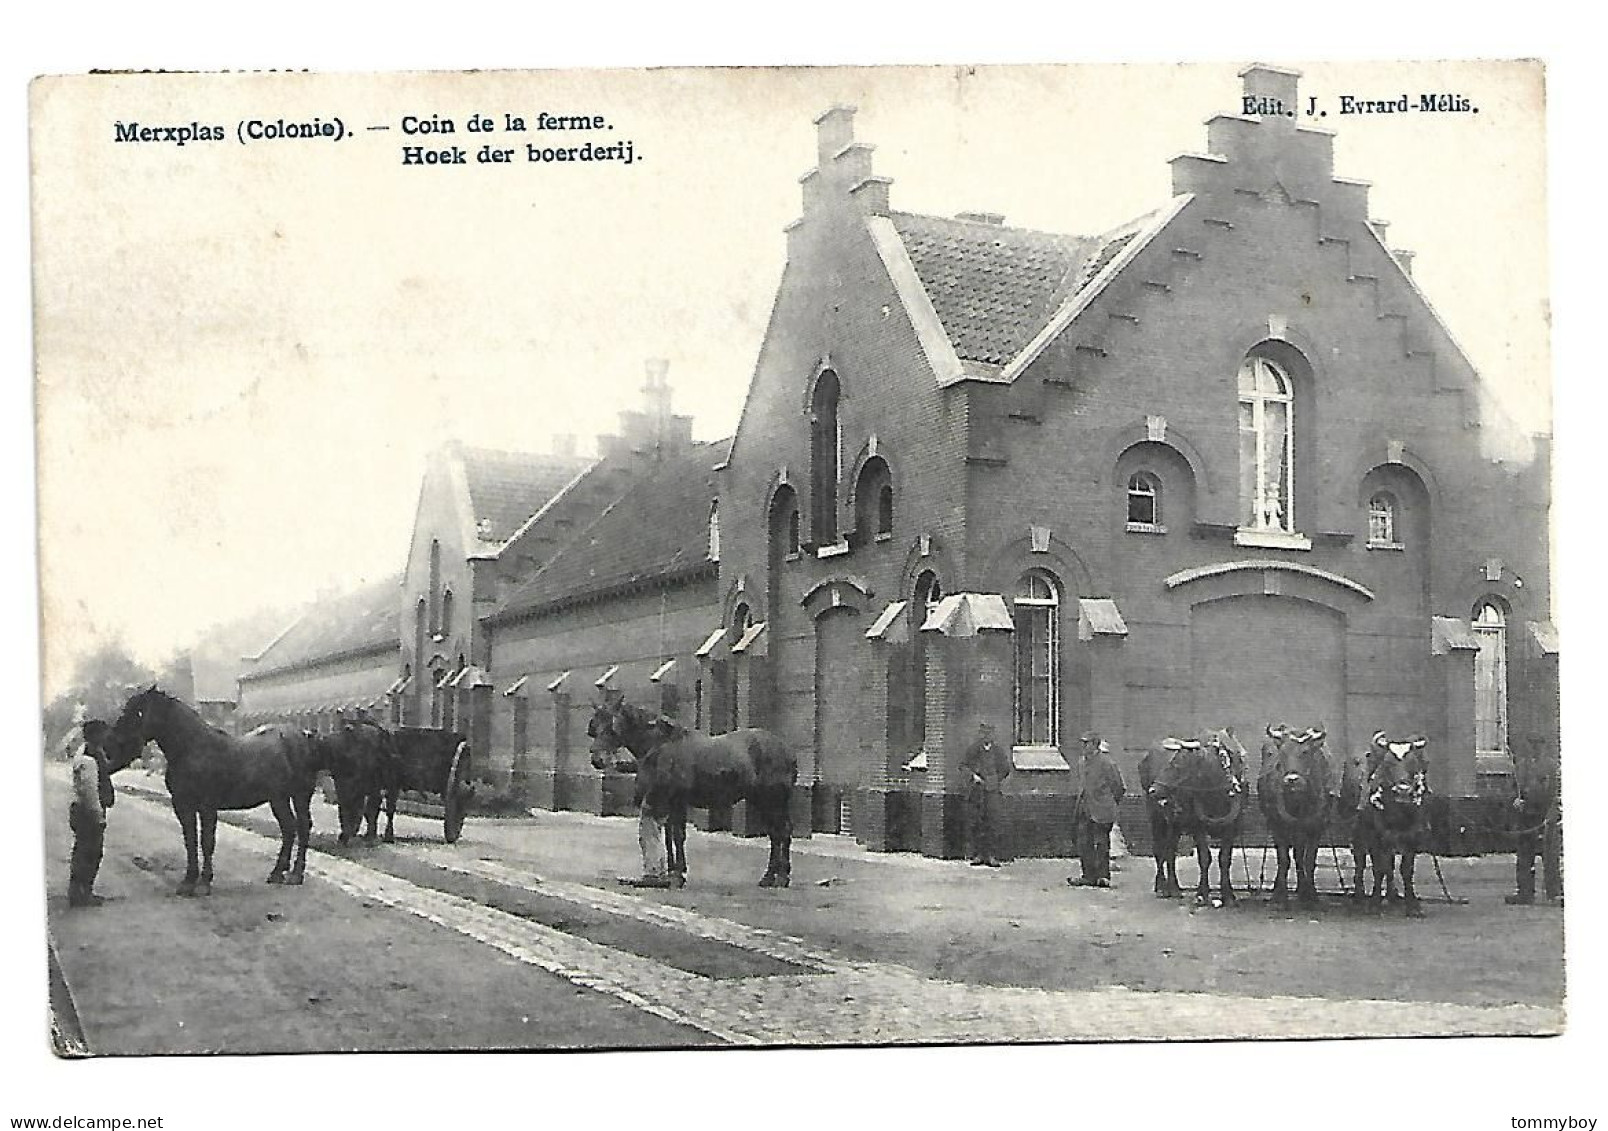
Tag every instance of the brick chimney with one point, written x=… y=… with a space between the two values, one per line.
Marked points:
x=654 y=426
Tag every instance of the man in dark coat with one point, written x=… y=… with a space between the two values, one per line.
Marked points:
x=1095 y=812
x=984 y=768
x=86 y=815
x=1538 y=812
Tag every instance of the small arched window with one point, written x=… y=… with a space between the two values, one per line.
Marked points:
x=1038 y=660
x=1267 y=438
x=793 y=541
x=435 y=587
x=1144 y=501
x=873 y=501
x=1382 y=526
x=445 y=628
x=714 y=531
x=1490 y=678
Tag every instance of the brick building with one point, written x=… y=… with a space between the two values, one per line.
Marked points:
x=1222 y=464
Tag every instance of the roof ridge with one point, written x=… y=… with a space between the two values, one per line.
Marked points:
x=985 y=226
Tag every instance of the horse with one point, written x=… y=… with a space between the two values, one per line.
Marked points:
x=209 y=770
x=1293 y=792
x=678 y=769
x=1387 y=789
x=422 y=758
x=1163 y=829
x=1202 y=787
x=360 y=755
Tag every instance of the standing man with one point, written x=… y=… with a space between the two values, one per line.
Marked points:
x=650 y=834
x=985 y=766
x=1095 y=812
x=1538 y=811
x=86 y=815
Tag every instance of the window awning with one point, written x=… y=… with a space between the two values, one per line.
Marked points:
x=1545 y=635
x=750 y=634
x=603 y=680
x=663 y=670
x=891 y=626
x=1449 y=634
x=517 y=686
x=967 y=614
x=400 y=685
x=558 y=684
x=1099 y=616
x=709 y=645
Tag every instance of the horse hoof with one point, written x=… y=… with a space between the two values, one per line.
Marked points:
x=276 y=877
x=768 y=880
x=186 y=888
x=784 y=881
x=294 y=879
x=1414 y=911
x=678 y=880
x=204 y=888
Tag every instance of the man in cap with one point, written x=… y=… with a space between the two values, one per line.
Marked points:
x=1539 y=813
x=1095 y=812
x=984 y=767
x=86 y=815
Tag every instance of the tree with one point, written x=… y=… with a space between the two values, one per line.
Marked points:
x=102 y=682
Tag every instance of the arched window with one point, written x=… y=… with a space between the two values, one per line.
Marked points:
x=784 y=524
x=446 y=614
x=1382 y=529
x=435 y=587
x=1144 y=500
x=415 y=695
x=742 y=619
x=873 y=501
x=927 y=593
x=1038 y=660
x=1267 y=440
x=826 y=459
x=714 y=531
x=1490 y=678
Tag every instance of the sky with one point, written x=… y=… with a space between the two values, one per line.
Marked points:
x=245 y=353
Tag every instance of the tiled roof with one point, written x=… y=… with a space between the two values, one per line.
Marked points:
x=994 y=287
x=361 y=619
x=658 y=528
x=506 y=488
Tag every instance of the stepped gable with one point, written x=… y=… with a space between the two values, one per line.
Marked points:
x=656 y=530
x=355 y=621
x=506 y=488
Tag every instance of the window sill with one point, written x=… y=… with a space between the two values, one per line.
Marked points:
x=1038 y=758
x=1397 y=546
x=793 y=556
x=883 y=536
x=1145 y=528
x=1271 y=539
x=836 y=550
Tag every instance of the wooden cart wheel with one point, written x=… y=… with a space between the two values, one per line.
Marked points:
x=453 y=800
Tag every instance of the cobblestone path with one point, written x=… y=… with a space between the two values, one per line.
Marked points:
x=851 y=1002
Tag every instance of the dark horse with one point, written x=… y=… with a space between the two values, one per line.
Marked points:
x=360 y=755
x=1387 y=792
x=1201 y=789
x=1293 y=792
x=208 y=770
x=1163 y=829
x=423 y=759
x=678 y=769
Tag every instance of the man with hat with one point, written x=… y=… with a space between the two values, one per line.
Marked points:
x=1095 y=812
x=984 y=767
x=86 y=815
x=1539 y=814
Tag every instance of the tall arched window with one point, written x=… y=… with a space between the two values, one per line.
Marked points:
x=415 y=693
x=928 y=592
x=446 y=613
x=1267 y=446
x=1038 y=660
x=1490 y=678
x=435 y=587
x=1144 y=500
x=1382 y=520
x=714 y=531
x=826 y=459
